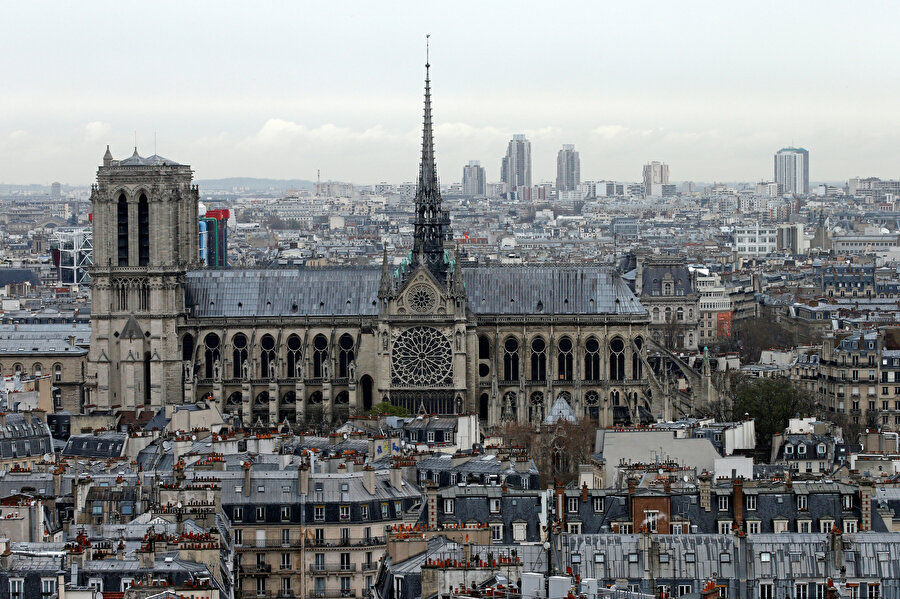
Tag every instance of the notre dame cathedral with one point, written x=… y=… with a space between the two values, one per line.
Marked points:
x=292 y=344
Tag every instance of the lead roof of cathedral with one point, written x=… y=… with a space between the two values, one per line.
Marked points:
x=138 y=160
x=353 y=291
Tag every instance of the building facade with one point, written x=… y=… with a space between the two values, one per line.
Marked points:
x=269 y=345
x=473 y=181
x=515 y=169
x=655 y=174
x=792 y=170
x=568 y=169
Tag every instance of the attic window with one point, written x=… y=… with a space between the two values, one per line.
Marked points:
x=294 y=308
x=540 y=306
x=240 y=304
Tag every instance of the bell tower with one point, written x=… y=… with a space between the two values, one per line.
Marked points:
x=145 y=224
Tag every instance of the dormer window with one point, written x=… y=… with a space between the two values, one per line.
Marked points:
x=801 y=449
x=821 y=449
x=788 y=449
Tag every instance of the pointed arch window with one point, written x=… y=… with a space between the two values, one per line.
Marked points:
x=345 y=355
x=637 y=366
x=122 y=230
x=320 y=356
x=210 y=353
x=538 y=359
x=617 y=359
x=240 y=354
x=564 y=360
x=267 y=356
x=592 y=359
x=294 y=355
x=511 y=359
x=143 y=230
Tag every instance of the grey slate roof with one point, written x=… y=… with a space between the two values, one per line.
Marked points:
x=11 y=276
x=353 y=291
x=105 y=445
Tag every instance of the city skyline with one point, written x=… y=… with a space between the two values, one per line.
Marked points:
x=224 y=97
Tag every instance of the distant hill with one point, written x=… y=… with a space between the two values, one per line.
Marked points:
x=252 y=183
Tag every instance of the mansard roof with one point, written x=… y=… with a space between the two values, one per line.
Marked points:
x=353 y=291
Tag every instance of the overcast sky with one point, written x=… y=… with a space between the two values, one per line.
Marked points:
x=280 y=89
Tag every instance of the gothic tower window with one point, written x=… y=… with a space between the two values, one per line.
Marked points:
x=266 y=355
x=210 y=353
x=239 y=356
x=564 y=360
x=617 y=359
x=592 y=359
x=144 y=297
x=345 y=355
x=614 y=397
x=320 y=356
x=143 y=231
x=511 y=359
x=294 y=365
x=122 y=229
x=146 y=378
x=538 y=359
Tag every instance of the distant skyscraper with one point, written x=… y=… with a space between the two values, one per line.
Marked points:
x=792 y=170
x=473 y=179
x=568 y=169
x=655 y=173
x=55 y=191
x=516 y=166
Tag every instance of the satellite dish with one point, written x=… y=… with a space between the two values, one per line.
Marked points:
x=178 y=505
x=46 y=457
x=193 y=437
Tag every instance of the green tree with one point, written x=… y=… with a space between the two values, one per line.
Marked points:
x=388 y=409
x=771 y=403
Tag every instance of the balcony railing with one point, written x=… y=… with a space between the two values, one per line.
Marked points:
x=333 y=594
x=349 y=568
x=348 y=542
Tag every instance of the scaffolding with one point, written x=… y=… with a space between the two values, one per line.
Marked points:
x=73 y=254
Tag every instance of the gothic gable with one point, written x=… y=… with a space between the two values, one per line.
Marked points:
x=421 y=295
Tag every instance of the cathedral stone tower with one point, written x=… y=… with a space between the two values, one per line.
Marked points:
x=145 y=240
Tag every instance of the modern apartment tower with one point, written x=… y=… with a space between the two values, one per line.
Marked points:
x=655 y=174
x=792 y=170
x=568 y=169
x=473 y=179
x=515 y=170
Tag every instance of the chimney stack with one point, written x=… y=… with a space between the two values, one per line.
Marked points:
x=247 y=466
x=737 y=496
x=396 y=477
x=303 y=479
x=369 y=479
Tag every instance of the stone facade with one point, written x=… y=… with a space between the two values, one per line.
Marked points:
x=434 y=335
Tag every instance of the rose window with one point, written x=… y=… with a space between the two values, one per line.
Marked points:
x=421 y=298
x=421 y=357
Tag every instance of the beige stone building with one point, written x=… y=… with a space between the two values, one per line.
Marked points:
x=436 y=333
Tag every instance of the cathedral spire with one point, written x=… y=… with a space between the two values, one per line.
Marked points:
x=432 y=223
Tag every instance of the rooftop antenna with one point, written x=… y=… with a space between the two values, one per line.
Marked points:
x=154 y=143
x=135 y=141
x=427 y=50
